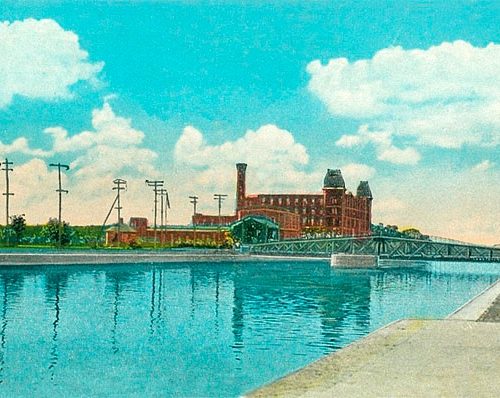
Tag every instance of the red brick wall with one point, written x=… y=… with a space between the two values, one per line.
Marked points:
x=125 y=237
x=206 y=219
x=171 y=236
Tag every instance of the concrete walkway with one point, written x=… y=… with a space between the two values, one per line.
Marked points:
x=409 y=358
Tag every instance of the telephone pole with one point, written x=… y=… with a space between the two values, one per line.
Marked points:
x=7 y=193
x=162 y=234
x=167 y=206
x=60 y=191
x=155 y=184
x=220 y=197
x=162 y=200
x=194 y=201
x=120 y=185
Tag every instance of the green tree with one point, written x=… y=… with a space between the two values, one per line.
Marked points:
x=18 y=227
x=51 y=232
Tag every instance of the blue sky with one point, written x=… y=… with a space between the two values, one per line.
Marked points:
x=180 y=90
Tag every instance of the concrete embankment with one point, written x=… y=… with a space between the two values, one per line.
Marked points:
x=454 y=357
x=135 y=257
x=105 y=257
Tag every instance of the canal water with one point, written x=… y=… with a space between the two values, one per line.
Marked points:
x=201 y=329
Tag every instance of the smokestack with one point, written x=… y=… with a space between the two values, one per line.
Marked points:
x=241 y=169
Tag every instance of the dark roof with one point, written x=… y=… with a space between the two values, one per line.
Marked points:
x=364 y=190
x=334 y=179
x=259 y=219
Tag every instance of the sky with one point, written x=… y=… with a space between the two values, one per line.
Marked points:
x=405 y=94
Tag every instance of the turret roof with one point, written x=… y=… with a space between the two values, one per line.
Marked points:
x=334 y=179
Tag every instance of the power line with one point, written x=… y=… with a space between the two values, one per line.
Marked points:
x=7 y=193
x=60 y=191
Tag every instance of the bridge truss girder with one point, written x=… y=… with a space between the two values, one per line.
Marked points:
x=385 y=247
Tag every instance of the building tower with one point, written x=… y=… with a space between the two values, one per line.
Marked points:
x=365 y=192
x=333 y=193
x=241 y=169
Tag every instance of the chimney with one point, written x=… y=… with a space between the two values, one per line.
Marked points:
x=240 y=185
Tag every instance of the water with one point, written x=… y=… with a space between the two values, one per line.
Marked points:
x=201 y=329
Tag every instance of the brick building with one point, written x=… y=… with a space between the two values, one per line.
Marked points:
x=334 y=209
x=139 y=231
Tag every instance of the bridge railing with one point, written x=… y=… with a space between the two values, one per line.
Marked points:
x=384 y=247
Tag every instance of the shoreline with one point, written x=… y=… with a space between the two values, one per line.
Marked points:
x=89 y=257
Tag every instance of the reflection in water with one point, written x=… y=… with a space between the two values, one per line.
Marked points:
x=237 y=322
x=55 y=283
x=114 y=346
x=160 y=296
x=217 y=282
x=116 y=281
x=153 y=292
x=193 y=288
x=12 y=285
x=200 y=329
x=3 y=330
x=53 y=351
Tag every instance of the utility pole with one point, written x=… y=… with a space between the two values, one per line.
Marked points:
x=162 y=212
x=167 y=206
x=220 y=198
x=120 y=185
x=155 y=184
x=194 y=201
x=7 y=193
x=60 y=191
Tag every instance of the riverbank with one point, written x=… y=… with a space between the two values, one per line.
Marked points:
x=54 y=257
x=457 y=356
x=117 y=257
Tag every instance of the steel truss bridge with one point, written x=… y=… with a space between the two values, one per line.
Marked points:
x=382 y=246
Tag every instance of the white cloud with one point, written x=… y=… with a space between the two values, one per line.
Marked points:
x=382 y=140
x=21 y=145
x=269 y=144
x=276 y=163
x=356 y=171
x=275 y=159
x=113 y=149
x=41 y=60
x=399 y=156
x=445 y=96
x=483 y=166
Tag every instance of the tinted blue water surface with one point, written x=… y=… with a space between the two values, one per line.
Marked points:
x=201 y=329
